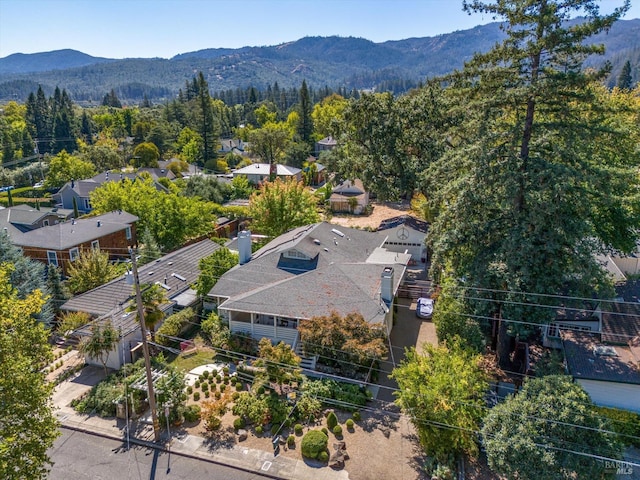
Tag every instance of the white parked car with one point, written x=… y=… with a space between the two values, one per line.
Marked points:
x=424 y=307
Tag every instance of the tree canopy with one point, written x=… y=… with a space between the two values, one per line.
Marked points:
x=280 y=206
x=540 y=173
x=212 y=268
x=64 y=167
x=443 y=392
x=91 y=269
x=548 y=430
x=28 y=426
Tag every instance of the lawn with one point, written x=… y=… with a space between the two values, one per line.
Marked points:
x=188 y=362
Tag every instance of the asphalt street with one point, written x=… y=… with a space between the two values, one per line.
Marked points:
x=82 y=456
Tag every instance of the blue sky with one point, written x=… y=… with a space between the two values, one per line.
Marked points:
x=164 y=28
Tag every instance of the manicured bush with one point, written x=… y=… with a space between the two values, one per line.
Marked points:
x=313 y=443
x=223 y=387
x=218 y=378
x=192 y=413
x=259 y=430
x=332 y=420
x=207 y=394
x=189 y=389
x=205 y=387
x=197 y=384
x=238 y=386
x=291 y=441
x=356 y=416
x=235 y=396
x=350 y=424
x=218 y=395
x=239 y=423
x=260 y=390
x=323 y=456
x=225 y=370
x=298 y=429
x=337 y=430
x=624 y=422
x=225 y=380
x=325 y=431
x=205 y=374
x=196 y=396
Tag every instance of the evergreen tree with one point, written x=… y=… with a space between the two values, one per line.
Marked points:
x=305 y=125
x=625 y=81
x=535 y=185
x=208 y=129
x=87 y=128
x=56 y=288
x=111 y=100
x=39 y=120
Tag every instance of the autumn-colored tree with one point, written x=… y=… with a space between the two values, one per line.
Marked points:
x=349 y=341
x=280 y=362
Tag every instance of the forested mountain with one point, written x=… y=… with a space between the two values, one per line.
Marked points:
x=337 y=62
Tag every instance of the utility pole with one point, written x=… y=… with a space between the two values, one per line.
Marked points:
x=145 y=348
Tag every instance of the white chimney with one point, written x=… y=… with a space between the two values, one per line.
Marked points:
x=386 y=285
x=244 y=246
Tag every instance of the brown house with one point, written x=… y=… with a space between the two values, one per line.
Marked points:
x=60 y=244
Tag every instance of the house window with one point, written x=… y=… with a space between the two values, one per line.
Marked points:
x=87 y=205
x=95 y=245
x=127 y=232
x=45 y=223
x=74 y=253
x=554 y=329
x=52 y=257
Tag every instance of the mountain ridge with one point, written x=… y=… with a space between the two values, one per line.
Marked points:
x=349 y=62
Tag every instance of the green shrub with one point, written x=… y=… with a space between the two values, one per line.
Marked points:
x=323 y=456
x=218 y=378
x=235 y=396
x=205 y=374
x=223 y=387
x=350 y=424
x=197 y=384
x=274 y=428
x=225 y=380
x=356 y=416
x=332 y=420
x=189 y=389
x=205 y=387
x=239 y=423
x=624 y=422
x=218 y=395
x=207 y=394
x=260 y=390
x=337 y=430
x=298 y=429
x=173 y=326
x=239 y=386
x=225 y=370
x=196 y=396
x=313 y=443
x=325 y=431
x=259 y=430
x=192 y=413
x=291 y=441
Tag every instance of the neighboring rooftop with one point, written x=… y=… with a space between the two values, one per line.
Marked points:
x=177 y=270
x=589 y=359
x=69 y=234
x=408 y=220
x=264 y=169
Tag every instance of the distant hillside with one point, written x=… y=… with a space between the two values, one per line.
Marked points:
x=45 y=61
x=323 y=61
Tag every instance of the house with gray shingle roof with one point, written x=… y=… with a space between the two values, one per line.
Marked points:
x=610 y=374
x=61 y=243
x=24 y=218
x=310 y=271
x=174 y=272
x=259 y=172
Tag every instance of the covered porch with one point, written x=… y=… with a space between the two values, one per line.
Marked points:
x=260 y=325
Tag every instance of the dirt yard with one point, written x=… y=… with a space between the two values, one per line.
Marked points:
x=380 y=212
x=381 y=445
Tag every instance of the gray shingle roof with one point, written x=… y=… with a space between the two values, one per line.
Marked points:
x=343 y=275
x=170 y=269
x=583 y=361
x=69 y=234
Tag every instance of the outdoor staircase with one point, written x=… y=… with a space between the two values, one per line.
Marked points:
x=306 y=363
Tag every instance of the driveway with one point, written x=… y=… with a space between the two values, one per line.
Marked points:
x=409 y=331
